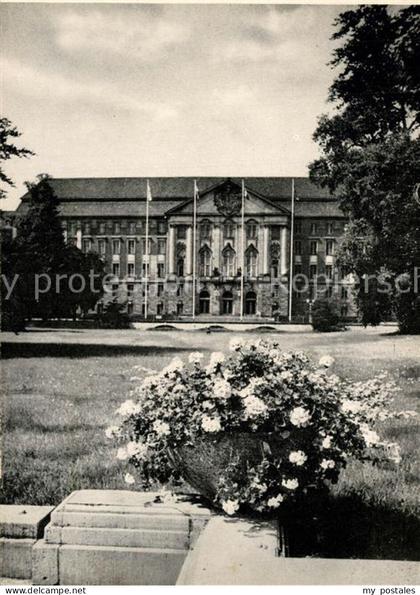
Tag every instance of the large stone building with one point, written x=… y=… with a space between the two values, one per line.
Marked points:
x=107 y=215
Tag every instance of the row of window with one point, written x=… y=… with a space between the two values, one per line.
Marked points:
x=145 y=270
x=116 y=227
x=314 y=247
x=315 y=228
x=87 y=246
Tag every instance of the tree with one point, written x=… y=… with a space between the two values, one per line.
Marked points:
x=8 y=149
x=325 y=315
x=53 y=279
x=371 y=155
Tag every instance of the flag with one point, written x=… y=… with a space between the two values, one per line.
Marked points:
x=196 y=191
x=148 y=193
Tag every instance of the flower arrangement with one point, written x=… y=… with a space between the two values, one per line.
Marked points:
x=254 y=429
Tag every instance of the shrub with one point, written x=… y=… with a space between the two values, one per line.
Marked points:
x=114 y=317
x=251 y=430
x=325 y=316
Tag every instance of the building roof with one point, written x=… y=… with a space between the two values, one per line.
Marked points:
x=126 y=197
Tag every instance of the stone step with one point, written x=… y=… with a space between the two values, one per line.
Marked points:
x=108 y=536
x=101 y=565
x=118 y=520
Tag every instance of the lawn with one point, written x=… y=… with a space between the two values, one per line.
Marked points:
x=62 y=389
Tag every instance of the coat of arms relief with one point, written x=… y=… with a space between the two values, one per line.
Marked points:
x=228 y=200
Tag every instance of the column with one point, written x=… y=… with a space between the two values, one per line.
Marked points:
x=283 y=251
x=171 y=250
x=188 y=252
x=79 y=239
x=261 y=253
x=216 y=247
x=266 y=259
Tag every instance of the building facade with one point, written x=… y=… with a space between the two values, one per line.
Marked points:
x=108 y=215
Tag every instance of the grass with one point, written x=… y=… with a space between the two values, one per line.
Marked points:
x=62 y=388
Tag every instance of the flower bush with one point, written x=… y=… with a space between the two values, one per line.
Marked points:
x=284 y=427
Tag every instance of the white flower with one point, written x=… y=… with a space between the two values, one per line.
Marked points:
x=161 y=428
x=112 y=431
x=128 y=408
x=261 y=487
x=167 y=497
x=254 y=406
x=326 y=443
x=393 y=450
x=236 y=344
x=370 y=436
x=298 y=457
x=195 y=357
x=327 y=464
x=122 y=454
x=211 y=424
x=175 y=365
x=230 y=506
x=349 y=406
x=275 y=501
x=326 y=361
x=136 y=449
x=222 y=388
x=286 y=375
x=299 y=416
x=128 y=478
x=216 y=358
x=290 y=484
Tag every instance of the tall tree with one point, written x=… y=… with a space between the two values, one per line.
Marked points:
x=8 y=133
x=371 y=156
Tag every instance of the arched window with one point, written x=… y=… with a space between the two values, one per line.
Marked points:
x=250 y=303
x=229 y=230
x=275 y=267
x=229 y=257
x=227 y=303
x=205 y=262
x=180 y=308
x=204 y=302
x=205 y=230
x=251 y=261
x=180 y=266
x=251 y=230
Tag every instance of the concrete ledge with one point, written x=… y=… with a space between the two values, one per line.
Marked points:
x=16 y=557
x=247 y=557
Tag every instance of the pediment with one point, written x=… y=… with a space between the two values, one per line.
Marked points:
x=225 y=200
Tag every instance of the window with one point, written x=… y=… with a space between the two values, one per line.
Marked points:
x=227 y=303
x=344 y=293
x=298 y=269
x=329 y=292
x=312 y=271
x=73 y=228
x=179 y=308
x=143 y=245
x=229 y=262
x=145 y=269
x=330 y=228
x=161 y=270
x=251 y=230
x=86 y=245
x=229 y=230
x=117 y=227
x=161 y=246
x=132 y=227
x=274 y=267
x=130 y=289
x=116 y=269
x=86 y=228
x=344 y=310
x=180 y=266
x=102 y=228
x=160 y=289
x=131 y=246
x=116 y=246
x=204 y=302
x=298 y=247
x=275 y=232
x=180 y=291
x=205 y=263
x=298 y=226
x=130 y=308
x=329 y=271
x=130 y=269
x=161 y=227
x=314 y=228
x=251 y=263
x=314 y=247
x=250 y=303
x=181 y=232
x=205 y=230
x=101 y=247
x=329 y=247
x=159 y=308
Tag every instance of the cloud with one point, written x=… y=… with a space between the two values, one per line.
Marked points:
x=233 y=97
x=48 y=85
x=144 y=35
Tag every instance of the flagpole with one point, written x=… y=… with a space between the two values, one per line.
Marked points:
x=292 y=228
x=242 y=248
x=146 y=252
x=194 y=247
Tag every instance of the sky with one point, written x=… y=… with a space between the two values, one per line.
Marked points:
x=164 y=90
